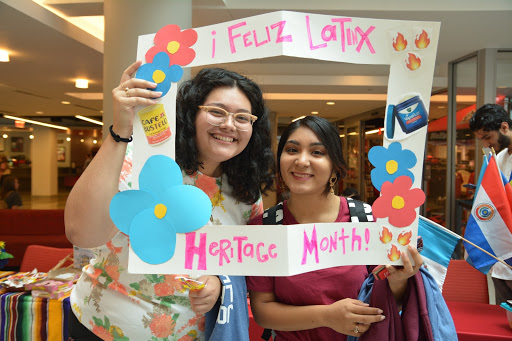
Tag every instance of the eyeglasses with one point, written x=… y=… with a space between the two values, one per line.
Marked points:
x=216 y=116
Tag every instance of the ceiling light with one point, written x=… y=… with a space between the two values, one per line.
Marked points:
x=375 y=131
x=39 y=112
x=5 y=136
x=35 y=122
x=4 y=56
x=94 y=141
x=68 y=139
x=314 y=112
x=342 y=135
x=89 y=120
x=86 y=96
x=65 y=102
x=82 y=140
x=298 y=118
x=81 y=83
x=330 y=103
x=31 y=137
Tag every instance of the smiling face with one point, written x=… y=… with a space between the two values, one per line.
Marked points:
x=217 y=144
x=305 y=163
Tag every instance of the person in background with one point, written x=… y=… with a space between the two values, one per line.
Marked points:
x=223 y=146
x=324 y=304
x=87 y=161
x=4 y=168
x=9 y=195
x=492 y=126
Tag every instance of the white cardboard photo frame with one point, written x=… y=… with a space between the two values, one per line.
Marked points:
x=303 y=35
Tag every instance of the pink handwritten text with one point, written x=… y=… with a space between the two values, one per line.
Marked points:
x=330 y=244
x=238 y=248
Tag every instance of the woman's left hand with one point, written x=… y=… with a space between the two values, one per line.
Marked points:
x=408 y=270
x=398 y=277
x=202 y=301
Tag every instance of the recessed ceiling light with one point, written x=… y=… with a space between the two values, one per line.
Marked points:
x=81 y=83
x=31 y=137
x=68 y=139
x=5 y=136
x=82 y=140
x=314 y=112
x=94 y=141
x=65 y=102
x=39 y=112
x=330 y=103
x=4 y=56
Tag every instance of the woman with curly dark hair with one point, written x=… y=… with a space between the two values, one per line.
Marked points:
x=223 y=146
x=248 y=172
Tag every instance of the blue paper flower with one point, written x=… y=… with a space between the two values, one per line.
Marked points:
x=160 y=72
x=162 y=207
x=390 y=163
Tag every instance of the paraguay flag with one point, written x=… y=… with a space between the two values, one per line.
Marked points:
x=490 y=223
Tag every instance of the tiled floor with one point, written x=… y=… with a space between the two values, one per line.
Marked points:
x=44 y=202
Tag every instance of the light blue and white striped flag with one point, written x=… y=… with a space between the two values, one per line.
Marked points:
x=438 y=246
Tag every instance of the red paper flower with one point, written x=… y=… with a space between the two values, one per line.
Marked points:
x=398 y=202
x=171 y=40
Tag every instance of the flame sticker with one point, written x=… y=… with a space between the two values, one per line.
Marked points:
x=422 y=41
x=413 y=62
x=385 y=235
x=394 y=254
x=404 y=238
x=399 y=43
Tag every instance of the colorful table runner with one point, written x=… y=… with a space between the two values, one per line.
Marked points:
x=24 y=317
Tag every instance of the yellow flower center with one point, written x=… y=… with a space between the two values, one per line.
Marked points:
x=158 y=76
x=173 y=47
x=160 y=211
x=391 y=166
x=398 y=202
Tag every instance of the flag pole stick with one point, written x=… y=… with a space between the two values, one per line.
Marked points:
x=464 y=239
x=478 y=247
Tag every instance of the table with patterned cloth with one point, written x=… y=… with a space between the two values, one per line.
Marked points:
x=24 y=317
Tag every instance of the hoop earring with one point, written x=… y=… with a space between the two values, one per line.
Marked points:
x=332 y=182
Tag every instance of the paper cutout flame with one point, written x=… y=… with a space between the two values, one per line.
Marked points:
x=404 y=238
x=399 y=43
x=414 y=62
x=394 y=253
x=386 y=235
x=422 y=41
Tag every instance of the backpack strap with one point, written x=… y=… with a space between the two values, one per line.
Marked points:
x=359 y=211
x=274 y=215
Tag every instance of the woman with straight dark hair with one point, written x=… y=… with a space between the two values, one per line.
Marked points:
x=223 y=146
x=324 y=304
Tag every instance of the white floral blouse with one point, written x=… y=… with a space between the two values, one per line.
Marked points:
x=117 y=305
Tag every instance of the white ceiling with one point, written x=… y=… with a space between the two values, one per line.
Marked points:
x=48 y=53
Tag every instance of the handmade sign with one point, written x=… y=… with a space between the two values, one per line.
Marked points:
x=408 y=47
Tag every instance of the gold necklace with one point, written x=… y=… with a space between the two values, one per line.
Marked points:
x=217 y=202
